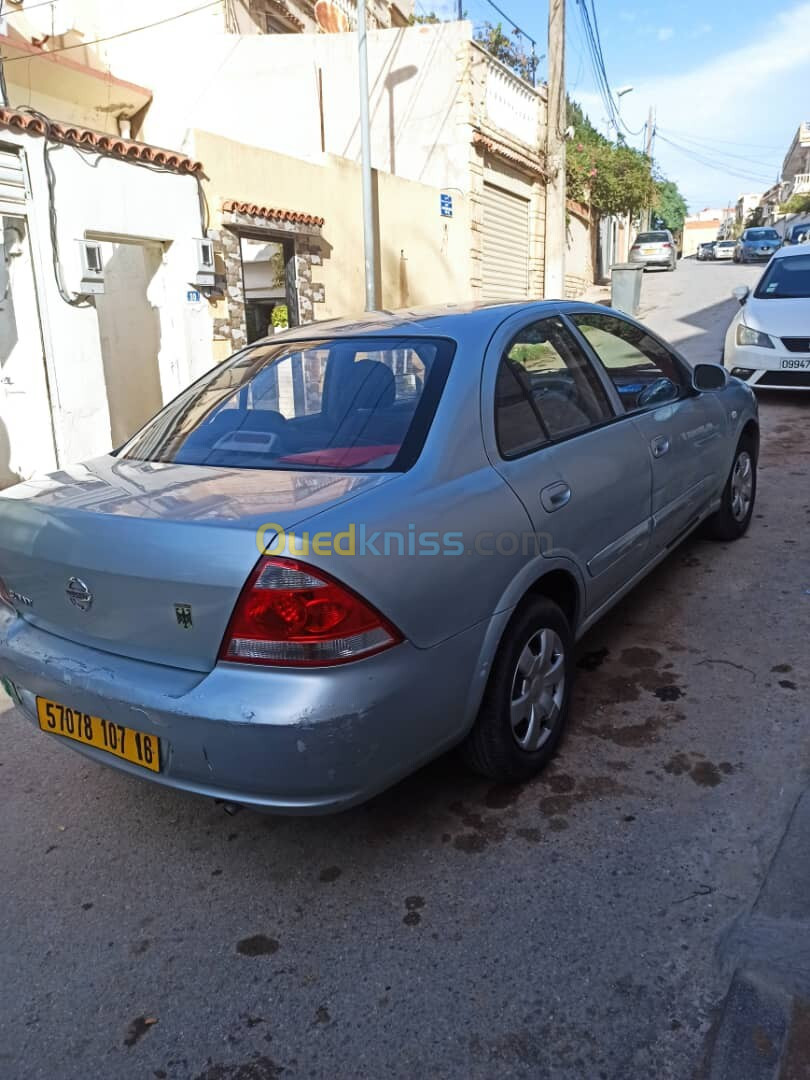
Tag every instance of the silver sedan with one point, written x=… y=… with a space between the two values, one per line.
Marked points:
x=357 y=545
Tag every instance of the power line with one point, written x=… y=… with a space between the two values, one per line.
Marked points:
x=111 y=37
x=593 y=41
x=31 y=7
x=717 y=166
x=725 y=142
x=702 y=147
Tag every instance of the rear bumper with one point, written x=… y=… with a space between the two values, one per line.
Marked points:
x=300 y=741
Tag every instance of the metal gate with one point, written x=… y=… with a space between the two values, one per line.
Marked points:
x=505 y=248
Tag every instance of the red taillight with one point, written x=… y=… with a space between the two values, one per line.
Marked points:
x=666 y=245
x=291 y=615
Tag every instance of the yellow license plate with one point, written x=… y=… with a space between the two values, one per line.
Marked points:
x=135 y=746
x=648 y=251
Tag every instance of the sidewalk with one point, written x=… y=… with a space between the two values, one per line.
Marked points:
x=763 y=1031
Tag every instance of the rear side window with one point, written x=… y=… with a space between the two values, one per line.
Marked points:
x=634 y=360
x=354 y=404
x=546 y=389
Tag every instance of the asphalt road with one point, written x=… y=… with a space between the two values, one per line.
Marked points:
x=449 y=928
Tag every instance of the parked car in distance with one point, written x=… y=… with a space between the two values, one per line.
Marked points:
x=705 y=251
x=724 y=249
x=757 y=245
x=798 y=234
x=768 y=342
x=203 y=607
x=655 y=248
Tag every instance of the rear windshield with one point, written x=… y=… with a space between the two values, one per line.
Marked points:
x=652 y=238
x=361 y=404
x=726 y=244
x=761 y=234
x=785 y=279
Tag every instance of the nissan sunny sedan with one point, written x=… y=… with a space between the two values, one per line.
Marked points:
x=354 y=546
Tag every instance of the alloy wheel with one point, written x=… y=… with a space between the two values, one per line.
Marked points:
x=742 y=486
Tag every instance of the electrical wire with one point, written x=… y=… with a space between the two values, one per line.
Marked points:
x=31 y=7
x=593 y=42
x=3 y=87
x=715 y=165
x=703 y=148
x=50 y=175
x=112 y=37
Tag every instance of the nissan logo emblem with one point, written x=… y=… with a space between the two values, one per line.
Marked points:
x=78 y=594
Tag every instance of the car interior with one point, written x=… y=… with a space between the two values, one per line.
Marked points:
x=340 y=405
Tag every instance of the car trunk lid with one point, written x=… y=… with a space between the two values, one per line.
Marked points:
x=147 y=560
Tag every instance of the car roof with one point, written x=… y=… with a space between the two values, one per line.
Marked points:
x=445 y=320
x=791 y=252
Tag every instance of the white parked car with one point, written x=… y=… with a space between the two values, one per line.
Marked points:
x=768 y=342
x=724 y=249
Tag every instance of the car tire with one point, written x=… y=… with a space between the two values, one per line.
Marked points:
x=732 y=519
x=527 y=698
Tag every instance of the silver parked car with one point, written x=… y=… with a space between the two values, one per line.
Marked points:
x=655 y=248
x=356 y=545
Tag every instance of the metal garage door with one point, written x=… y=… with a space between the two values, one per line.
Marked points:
x=505 y=261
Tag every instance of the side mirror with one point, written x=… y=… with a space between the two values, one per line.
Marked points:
x=741 y=293
x=709 y=377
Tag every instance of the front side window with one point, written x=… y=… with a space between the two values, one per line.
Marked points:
x=643 y=371
x=546 y=389
x=353 y=404
x=786 y=279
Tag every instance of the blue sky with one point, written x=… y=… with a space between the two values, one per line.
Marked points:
x=730 y=81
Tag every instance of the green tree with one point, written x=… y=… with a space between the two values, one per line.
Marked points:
x=796 y=204
x=423 y=20
x=509 y=50
x=669 y=208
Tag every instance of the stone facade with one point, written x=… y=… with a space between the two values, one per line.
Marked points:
x=230 y=326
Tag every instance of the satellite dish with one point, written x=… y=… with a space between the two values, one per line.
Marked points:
x=331 y=18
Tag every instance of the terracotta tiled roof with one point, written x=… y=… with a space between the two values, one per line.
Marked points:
x=495 y=146
x=111 y=145
x=232 y=206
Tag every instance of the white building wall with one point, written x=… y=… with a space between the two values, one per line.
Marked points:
x=297 y=94
x=105 y=199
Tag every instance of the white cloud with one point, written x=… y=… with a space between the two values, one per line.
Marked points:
x=665 y=33
x=753 y=94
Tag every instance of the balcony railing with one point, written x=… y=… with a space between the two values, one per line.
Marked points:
x=801 y=184
x=510 y=104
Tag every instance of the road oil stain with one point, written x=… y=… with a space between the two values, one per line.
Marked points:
x=259 y=1067
x=330 y=873
x=701 y=772
x=257 y=945
x=413 y=905
x=138 y=1028
x=594 y=659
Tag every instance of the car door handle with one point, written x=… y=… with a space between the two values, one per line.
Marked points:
x=555 y=496
x=660 y=445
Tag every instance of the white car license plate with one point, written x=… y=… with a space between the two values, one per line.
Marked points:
x=795 y=365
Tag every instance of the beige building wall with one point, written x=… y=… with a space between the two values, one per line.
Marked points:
x=698 y=231
x=578 y=251
x=423 y=258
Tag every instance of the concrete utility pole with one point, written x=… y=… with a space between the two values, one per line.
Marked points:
x=648 y=152
x=369 y=237
x=555 y=154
